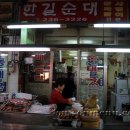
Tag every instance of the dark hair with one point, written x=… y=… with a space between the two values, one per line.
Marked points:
x=69 y=74
x=60 y=81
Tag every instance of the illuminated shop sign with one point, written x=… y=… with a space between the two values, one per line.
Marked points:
x=75 y=11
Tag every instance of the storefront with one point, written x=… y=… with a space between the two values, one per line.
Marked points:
x=72 y=49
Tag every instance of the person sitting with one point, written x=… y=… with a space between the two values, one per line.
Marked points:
x=57 y=98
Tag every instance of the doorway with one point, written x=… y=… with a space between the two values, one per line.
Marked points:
x=65 y=65
x=87 y=68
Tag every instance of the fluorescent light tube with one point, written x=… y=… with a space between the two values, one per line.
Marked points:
x=112 y=25
x=120 y=50
x=24 y=49
x=33 y=26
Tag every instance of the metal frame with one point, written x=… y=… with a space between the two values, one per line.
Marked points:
x=78 y=73
x=105 y=80
x=51 y=70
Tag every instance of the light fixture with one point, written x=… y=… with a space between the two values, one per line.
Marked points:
x=112 y=25
x=19 y=26
x=84 y=58
x=83 y=55
x=100 y=66
x=73 y=51
x=33 y=55
x=75 y=57
x=87 y=41
x=71 y=41
x=120 y=50
x=73 y=54
x=24 y=49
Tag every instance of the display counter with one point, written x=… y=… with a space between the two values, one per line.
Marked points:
x=25 y=121
x=25 y=118
x=32 y=127
x=24 y=112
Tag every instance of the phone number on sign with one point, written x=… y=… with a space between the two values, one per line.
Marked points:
x=65 y=19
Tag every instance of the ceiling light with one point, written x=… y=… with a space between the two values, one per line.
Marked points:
x=84 y=58
x=76 y=58
x=100 y=66
x=87 y=41
x=24 y=49
x=72 y=54
x=71 y=41
x=120 y=50
x=19 y=26
x=117 y=25
x=33 y=55
x=73 y=51
x=84 y=55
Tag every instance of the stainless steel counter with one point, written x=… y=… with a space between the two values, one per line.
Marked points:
x=22 y=121
x=35 y=127
x=7 y=126
x=26 y=119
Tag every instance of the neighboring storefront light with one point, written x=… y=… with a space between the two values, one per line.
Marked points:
x=2 y=54
x=112 y=25
x=24 y=49
x=19 y=26
x=120 y=50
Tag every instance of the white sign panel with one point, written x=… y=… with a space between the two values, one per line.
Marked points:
x=3 y=73
x=84 y=74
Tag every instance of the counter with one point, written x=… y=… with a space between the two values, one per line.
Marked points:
x=22 y=121
x=25 y=118
x=32 y=127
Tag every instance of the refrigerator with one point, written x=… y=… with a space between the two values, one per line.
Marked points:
x=121 y=99
x=121 y=86
x=120 y=95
